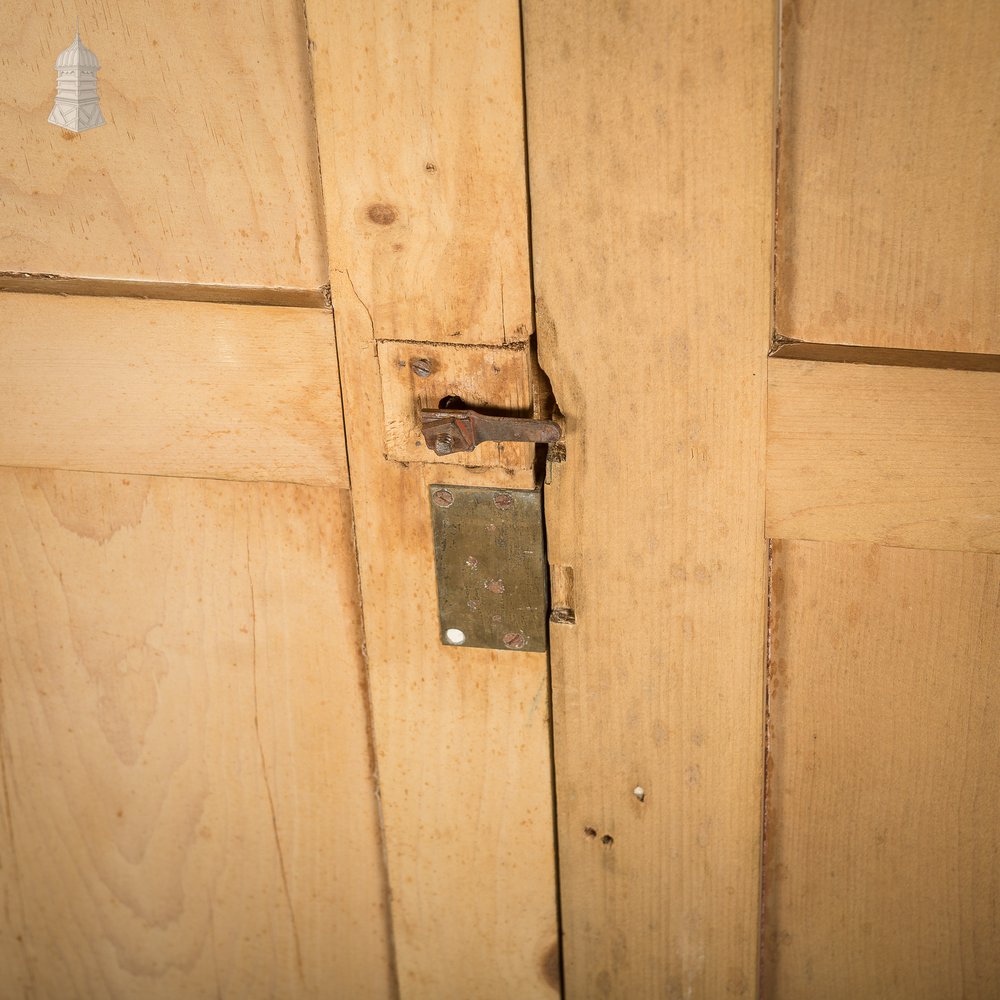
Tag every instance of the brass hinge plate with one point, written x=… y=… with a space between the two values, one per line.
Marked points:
x=489 y=554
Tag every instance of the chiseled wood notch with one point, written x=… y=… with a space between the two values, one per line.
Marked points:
x=901 y=456
x=650 y=138
x=187 y=805
x=419 y=375
x=883 y=774
x=427 y=213
x=205 y=170
x=888 y=204
x=420 y=125
x=170 y=388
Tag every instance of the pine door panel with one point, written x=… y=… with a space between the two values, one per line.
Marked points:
x=883 y=778
x=206 y=169
x=188 y=806
x=888 y=205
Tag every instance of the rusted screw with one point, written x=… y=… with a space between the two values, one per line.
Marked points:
x=443 y=498
x=444 y=444
x=515 y=640
x=421 y=367
x=503 y=501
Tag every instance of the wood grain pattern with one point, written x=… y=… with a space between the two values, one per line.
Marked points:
x=901 y=456
x=485 y=378
x=428 y=208
x=462 y=734
x=170 y=388
x=883 y=774
x=206 y=169
x=188 y=804
x=650 y=139
x=888 y=208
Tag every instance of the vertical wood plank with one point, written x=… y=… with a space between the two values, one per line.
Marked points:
x=187 y=797
x=883 y=773
x=421 y=142
x=650 y=156
x=426 y=205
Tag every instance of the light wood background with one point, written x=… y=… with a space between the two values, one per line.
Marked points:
x=882 y=803
x=427 y=216
x=206 y=171
x=188 y=805
x=888 y=203
x=650 y=142
x=883 y=773
x=221 y=778
x=171 y=388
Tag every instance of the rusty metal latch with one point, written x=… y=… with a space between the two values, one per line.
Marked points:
x=447 y=431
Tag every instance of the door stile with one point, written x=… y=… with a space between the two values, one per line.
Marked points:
x=652 y=193
x=420 y=123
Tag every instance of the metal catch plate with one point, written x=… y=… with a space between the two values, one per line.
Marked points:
x=491 y=571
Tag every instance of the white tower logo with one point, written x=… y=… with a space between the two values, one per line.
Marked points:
x=76 y=106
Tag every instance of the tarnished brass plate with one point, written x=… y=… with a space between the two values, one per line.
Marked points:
x=489 y=556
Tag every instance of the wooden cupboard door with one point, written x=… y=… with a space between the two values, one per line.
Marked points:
x=882 y=816
x=784 y=566
x=188 y=798
x=187 y=777
x=228 y=765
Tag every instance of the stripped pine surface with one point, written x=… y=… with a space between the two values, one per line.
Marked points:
x=494 y=377
x=883 y=774
x=188 y=801
x=427 y=229
x=888 y=203
x=901 y=456
x=170 y=388
x=427 y=210
x=205 y=171
x=650 y=157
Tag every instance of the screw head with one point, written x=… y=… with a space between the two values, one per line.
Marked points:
x=515 y=640
x=503 y=501
x=443 y=498
x=421 y=367
x=444 y=444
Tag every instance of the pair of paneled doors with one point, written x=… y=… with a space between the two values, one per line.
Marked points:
x=237 y=759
